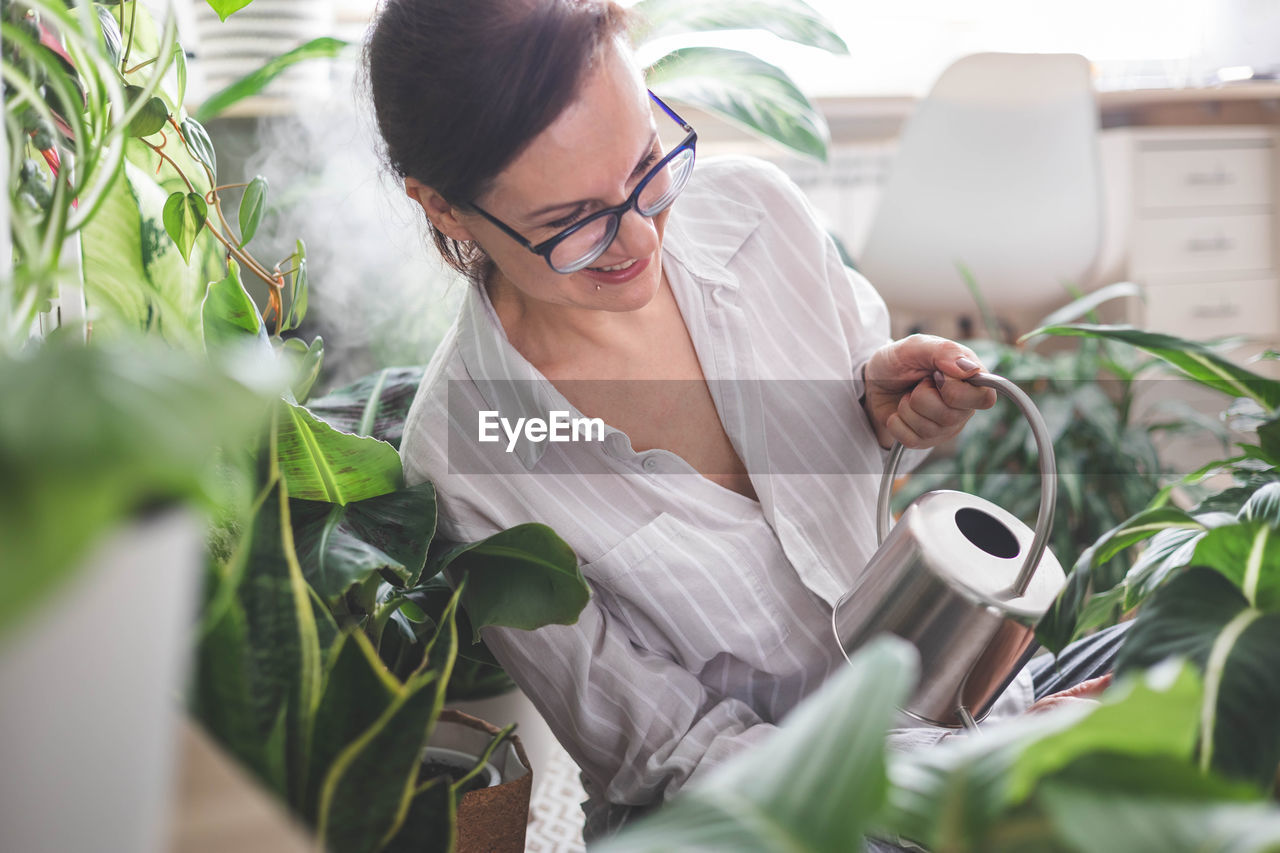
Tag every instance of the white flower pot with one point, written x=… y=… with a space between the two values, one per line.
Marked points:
x=91 y=685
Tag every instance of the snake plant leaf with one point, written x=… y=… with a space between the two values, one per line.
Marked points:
x=1247 y=554
x=340 y=545
x=356 y=691
x=271 y=652
x=792 y=20
x=257 y=80
x=954 y=795
x=228 y=314
x=1202 y=616
x=432 y=821
x=320 y=463
x=369 y=787
x=744 y=90
x=252 y=204
x=1193 y=359
x=184 y=216
x=524 y=577
x=813 y=786
x=226 y=8
x=376 y=404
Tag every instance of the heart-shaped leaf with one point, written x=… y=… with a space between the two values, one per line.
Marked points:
x=184 y=216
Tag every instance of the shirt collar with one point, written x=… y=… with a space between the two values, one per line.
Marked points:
x=511 y=385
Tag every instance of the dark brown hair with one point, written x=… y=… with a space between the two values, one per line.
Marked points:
x=461 y=87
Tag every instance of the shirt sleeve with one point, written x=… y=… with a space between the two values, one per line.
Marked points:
x=637 y=724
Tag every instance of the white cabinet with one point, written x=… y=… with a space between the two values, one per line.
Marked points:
x=1202 y=231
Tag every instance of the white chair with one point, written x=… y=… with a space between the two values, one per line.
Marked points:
x=997 y=170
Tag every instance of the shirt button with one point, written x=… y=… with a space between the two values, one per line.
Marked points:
x=651 y=464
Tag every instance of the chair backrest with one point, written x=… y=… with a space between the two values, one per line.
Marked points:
x=998 y=171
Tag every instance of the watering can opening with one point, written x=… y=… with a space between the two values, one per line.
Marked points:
x=987 y=533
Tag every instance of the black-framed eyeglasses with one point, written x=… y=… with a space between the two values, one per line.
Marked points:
x=587 y=239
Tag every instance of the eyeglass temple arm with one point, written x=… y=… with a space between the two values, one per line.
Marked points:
x=670 y=112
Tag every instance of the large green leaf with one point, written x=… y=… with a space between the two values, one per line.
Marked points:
x=320 y=463
x=228 y=315
x=340 y=545
x=1248 y=554
x=1168 y=551
x=90 y=438
x=523 y=577
x=787 y=19
x=955 y=796
x=431 y=823
x=1090 y=823
x=368 y=789
x=357 y=691
x=376 y=404
x=1193 y=359
x=1201 y=616
x=746 y=91
x=1059 y=624
x=815 y=785
x=255 y=81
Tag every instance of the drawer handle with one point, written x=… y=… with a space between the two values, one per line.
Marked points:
x=1215 y=312
x=1210 y=244
x=1217 y=178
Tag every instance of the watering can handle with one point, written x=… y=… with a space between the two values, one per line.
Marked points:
x=1048 y=478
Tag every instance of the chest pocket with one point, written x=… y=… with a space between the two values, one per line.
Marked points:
x=693 y=595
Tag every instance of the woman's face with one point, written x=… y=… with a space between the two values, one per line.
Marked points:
x=590 y=157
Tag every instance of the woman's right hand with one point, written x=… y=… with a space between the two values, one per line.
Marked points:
x=1084 y=692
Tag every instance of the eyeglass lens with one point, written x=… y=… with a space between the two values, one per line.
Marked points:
x=589 y=242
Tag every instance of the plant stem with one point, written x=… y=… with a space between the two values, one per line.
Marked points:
x=133 y=20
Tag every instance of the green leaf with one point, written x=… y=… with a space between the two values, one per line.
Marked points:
x=255 y=81
x=308 y=358
x=342 y=545
x=298 y=289
x=1059 y=624
x=1264 y=505
x=1088 y=822
x=151 y=118
x=92 y=437
x=1201 y=616
x=1247 y=554
x=369 y=787
x=746 y=91
x=1091 y=301
x=184 y=216
x=225 y=8
x=813 y=786
x=200 y=144
x=1193 y=359
x=319 y=463
x=376 y=404
x=1168 y=550
x=228 y=314
x=787 y=19
x=431 y=823
x=955 y=795
x=523 y=577
x=357 y=691
x=251 y=207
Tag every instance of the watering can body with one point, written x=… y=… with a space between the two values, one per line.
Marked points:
x=964 y=581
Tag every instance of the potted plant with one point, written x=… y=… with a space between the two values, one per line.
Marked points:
x=107 y=454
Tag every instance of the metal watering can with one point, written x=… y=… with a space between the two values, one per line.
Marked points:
x=963 y=580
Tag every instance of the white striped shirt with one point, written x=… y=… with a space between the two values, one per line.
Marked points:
x=710 y=612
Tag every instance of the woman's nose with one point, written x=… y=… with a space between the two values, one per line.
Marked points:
x=637 y=235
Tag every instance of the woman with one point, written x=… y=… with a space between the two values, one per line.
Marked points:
x=744 y=382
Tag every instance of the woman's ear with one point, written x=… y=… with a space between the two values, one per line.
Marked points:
x=443 y=216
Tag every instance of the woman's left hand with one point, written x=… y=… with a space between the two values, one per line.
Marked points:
x=916 y=393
